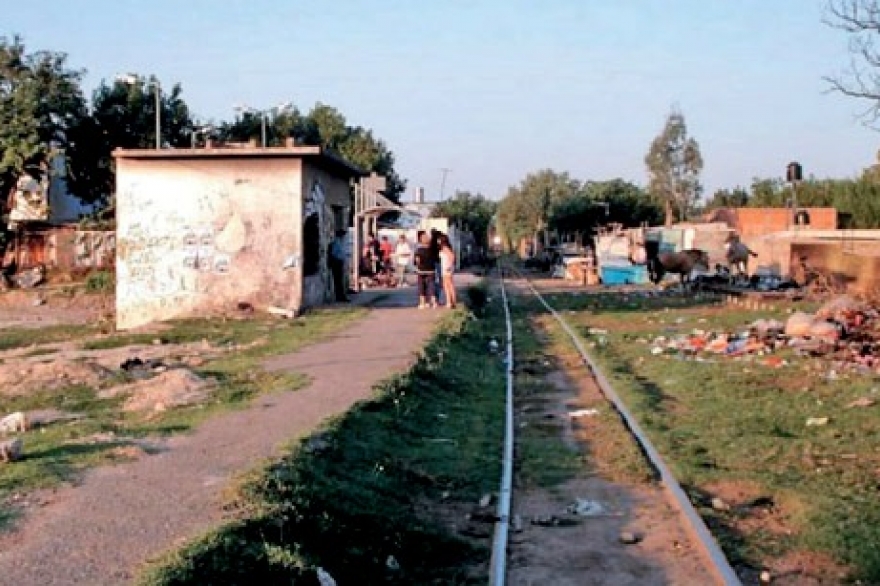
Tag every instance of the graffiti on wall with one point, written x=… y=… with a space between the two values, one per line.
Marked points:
x=94 y=249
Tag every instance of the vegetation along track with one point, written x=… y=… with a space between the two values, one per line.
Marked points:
x=702 y=537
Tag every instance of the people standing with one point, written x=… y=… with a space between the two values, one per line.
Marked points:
x=336 y=260
x=435 y=250
x=447 y=268
x=402 y=259
x=425 y=261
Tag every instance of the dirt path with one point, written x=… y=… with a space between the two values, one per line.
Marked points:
x=98 y=532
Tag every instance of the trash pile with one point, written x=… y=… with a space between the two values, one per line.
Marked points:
x=844 y=329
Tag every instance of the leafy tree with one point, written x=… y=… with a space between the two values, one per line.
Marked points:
x=40 y=102
x=674 y=164
x=469 y=211
x=123 y=115
x=860 y=20
x=604 y=202
x=728 y=198
x=527 y=209
x=324 y=126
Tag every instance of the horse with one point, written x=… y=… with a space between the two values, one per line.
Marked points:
x=680 y=263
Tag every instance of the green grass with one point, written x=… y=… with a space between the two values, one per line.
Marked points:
x=23 y=337
x=740 y=421
x=375 y=487
x=57 y=453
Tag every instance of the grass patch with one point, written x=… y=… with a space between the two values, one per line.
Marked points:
x=22 y=337
x=58 y=452
x=374 y=483
x=737 y=421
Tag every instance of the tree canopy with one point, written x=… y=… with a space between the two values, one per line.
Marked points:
x=549 y=201
x=674 y=164
x=468 y=211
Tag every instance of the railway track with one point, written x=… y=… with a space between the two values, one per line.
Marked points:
x=696 y=527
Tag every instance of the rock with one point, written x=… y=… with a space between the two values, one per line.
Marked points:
x=587 y=508
x=14 y=423
x=10 y=450
x=324 y=578
x=862 y=402
x=798 y=325
x=825 y=331
x=629 y=538
x=719 y=505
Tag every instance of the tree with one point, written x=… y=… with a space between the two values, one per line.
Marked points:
x=527 y=209
x=40 y=102
x=860 y=20
x=472 y=212
x=123 y=115
x=728 y=198
x=674 y=164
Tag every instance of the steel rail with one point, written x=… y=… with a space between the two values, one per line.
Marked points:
x=498 y=564
x=720 y=565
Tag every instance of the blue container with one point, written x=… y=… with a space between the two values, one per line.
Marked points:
x=624 y=275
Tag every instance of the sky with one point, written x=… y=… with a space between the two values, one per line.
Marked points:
x=494 y=89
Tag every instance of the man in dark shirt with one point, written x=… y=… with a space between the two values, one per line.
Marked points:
x=426 y=263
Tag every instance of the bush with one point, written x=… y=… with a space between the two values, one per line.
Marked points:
x=101 y=282
x=477 y=295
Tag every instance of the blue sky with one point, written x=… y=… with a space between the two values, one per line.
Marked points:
x=493 y=89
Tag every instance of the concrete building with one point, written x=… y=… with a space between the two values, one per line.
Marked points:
x=202 y=230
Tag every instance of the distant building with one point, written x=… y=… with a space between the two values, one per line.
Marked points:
x=202 y=230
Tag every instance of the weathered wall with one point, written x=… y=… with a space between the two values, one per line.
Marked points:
x=856 y=272
x=329 y=197
x=756 y=222
x=196 y=236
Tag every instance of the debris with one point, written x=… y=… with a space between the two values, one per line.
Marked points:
x=798 y=325
x=14 y=423
x=245 y=307
x=765 y=577
x=861 y=402
x=173 y=388
x=476 y=531
x=280 y=311
x=587 y=508
x=485 y=500
x=38 y=302
x=583 y=413
x=815 y=421
x=554 y=521
x=10 y=450
x=493 y=345
x=324 y=578
x=30 y=278
x=719 y=505
x=629 y=538
x=392 y=564
x=516 y=524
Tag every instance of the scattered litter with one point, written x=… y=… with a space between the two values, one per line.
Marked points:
x=282 y=312
x=862 y=402
x=14 y=423
x=245 y=307
x=554 y=521
x=30 y=278
x=815 y=421
x=324 y=578
x=10 y=450
x=493 y=345
x=38 y=302
x=587 y=508
x=719 y=505
x=392 y=564
x=173 y=388
x=629 y=538
x=597 y=332
x=583 y=413
x=516 y=524
x=765 y=577
x=485 y=500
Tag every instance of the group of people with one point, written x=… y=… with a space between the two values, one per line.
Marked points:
x=434 y=261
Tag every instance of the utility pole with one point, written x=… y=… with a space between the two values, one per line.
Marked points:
x=444 y=171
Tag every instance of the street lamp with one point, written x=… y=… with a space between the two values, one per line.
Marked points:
x=133 y=79
x=243 y=108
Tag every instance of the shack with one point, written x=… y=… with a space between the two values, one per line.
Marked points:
x=202 y=231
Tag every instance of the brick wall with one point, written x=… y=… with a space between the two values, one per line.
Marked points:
x=750 y=222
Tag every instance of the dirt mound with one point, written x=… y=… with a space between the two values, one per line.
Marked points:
x=173 y=388
x=24 y=378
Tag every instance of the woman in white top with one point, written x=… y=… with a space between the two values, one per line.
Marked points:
x=402 y=258
x=447 y=268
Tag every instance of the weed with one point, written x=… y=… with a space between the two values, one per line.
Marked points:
x=101 y=282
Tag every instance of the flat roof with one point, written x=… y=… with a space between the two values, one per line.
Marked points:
x=324 y=157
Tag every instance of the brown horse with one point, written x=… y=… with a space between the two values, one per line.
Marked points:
x=680 y=263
